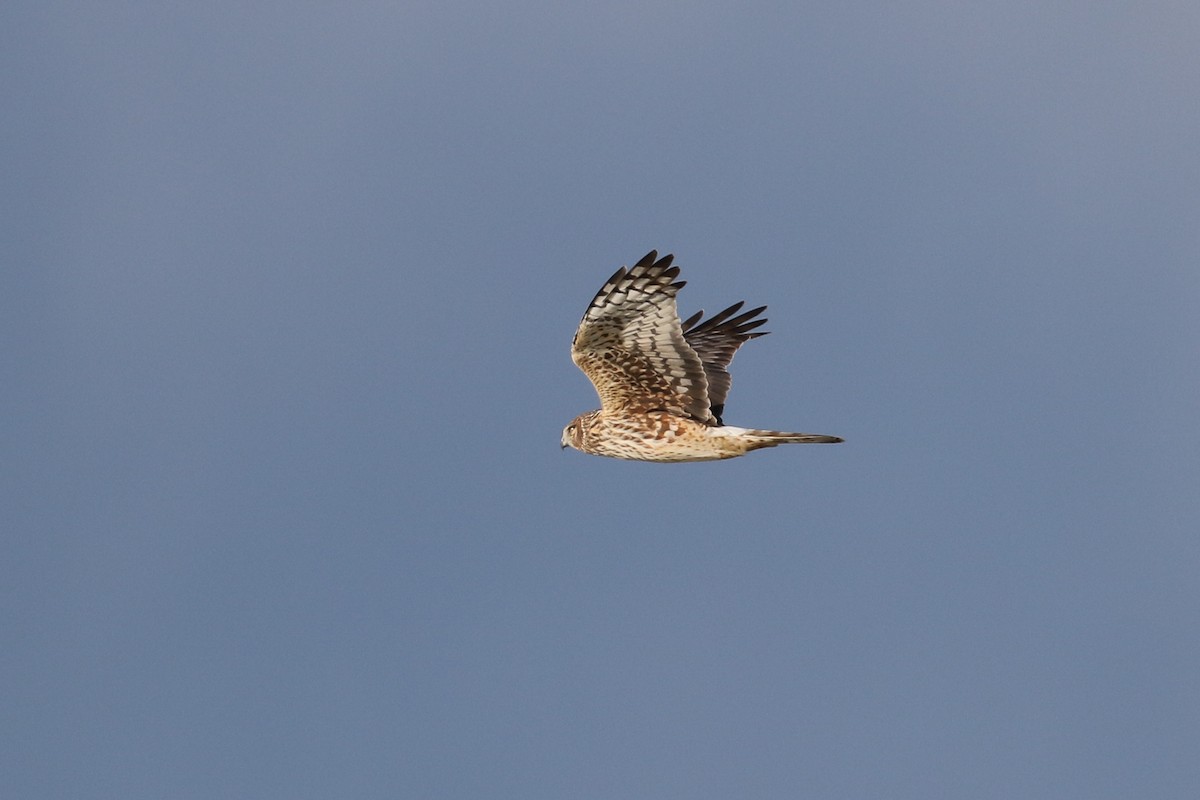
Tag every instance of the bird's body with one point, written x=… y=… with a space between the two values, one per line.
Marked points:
x=662 y=383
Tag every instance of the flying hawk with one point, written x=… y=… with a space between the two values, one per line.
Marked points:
x=662 y=383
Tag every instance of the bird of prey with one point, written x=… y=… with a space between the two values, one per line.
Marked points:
x=662 y=383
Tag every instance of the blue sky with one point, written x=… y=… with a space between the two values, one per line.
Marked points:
x=286 y=320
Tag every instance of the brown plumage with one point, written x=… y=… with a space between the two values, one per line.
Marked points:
x=662 y=383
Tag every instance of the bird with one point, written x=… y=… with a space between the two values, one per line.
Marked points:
x=662 y=382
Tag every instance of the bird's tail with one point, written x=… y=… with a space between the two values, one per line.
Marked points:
x=760 y=439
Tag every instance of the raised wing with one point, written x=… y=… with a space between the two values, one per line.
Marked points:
x=715 y=340
x=631 y=346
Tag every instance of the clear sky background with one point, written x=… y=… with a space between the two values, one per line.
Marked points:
x=288 y=294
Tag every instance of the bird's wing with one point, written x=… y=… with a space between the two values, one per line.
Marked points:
x=631 y=345
x=715 y=340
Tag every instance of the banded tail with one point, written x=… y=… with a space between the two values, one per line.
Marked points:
x=758 y=439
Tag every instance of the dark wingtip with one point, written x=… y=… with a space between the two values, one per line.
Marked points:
x=717 y=412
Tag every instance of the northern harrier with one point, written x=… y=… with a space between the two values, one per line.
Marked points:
x=662 y=383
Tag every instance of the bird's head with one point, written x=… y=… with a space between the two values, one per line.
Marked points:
x=575 y=434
